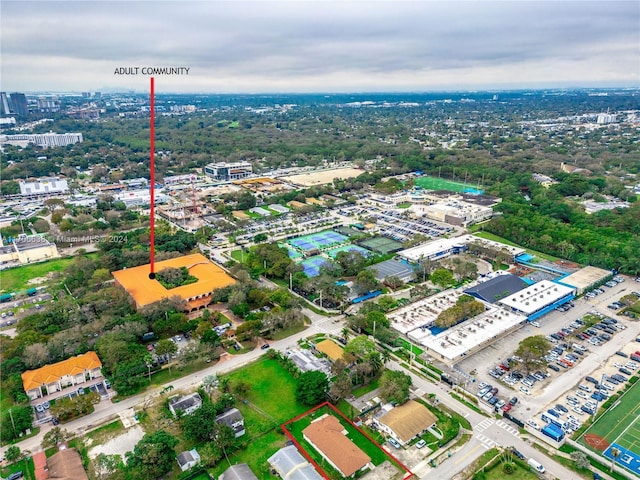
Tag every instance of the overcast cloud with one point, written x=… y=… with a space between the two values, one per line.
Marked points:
x=320 y=46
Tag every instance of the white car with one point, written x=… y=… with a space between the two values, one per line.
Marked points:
x=533 y=424
x=618 y=365
x=535 y=324
x=577 y=410
x=581 y=394
x=525 y=390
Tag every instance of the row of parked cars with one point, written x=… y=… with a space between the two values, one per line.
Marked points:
x=611 y=283
x=489 y=394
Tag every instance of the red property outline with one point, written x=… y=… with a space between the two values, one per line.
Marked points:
x=308 y=457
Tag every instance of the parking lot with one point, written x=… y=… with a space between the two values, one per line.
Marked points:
x=543 y=391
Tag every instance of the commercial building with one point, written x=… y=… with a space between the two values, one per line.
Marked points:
x=500 y=286
x=434 y=250
x=327 y=435
x=140 y=198
x=44 y=140
x=405 y=422
x=227 y=172
x=146 y=291
x=291 y=465
x=44 y=186
x=19 y=104
x=392 y=268
x=538 y=299
x=58 y=376
x=26 y=249
x=587 y=278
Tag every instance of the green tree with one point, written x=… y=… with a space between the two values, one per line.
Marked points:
x=532 y=350
x=152 y=457
x=54 y=437
x=580 y=459
x=442 y=277
x=12 y=454
x=312 y=388
x=394 y=386
x=365 y=282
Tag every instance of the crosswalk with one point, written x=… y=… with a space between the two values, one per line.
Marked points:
x=483 y=425
x=508 y=428
x=486 y=442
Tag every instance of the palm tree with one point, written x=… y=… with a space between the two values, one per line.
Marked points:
x=615 y=453
x=345 y=332
x=386 y=356
x=209 y=383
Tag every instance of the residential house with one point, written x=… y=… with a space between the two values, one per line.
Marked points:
x=238 y=472
x=188 y=459
x=291 y=465
x=328 y=437
x=57 y=376
x=185 y=405
x=66 y=465
x=233 y=419
x=406 y=421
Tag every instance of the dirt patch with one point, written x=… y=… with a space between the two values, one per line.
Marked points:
x=324 y=177
x=119 y=445
x=596 y=441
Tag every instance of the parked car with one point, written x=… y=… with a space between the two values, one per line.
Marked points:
x=421 y=444
x=394 y=442
x=513 y=401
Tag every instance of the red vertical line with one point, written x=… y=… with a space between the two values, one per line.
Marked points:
x=153 y=181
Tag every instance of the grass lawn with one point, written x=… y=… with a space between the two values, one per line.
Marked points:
x=15 y=280
x=26 y=466
x=258 y=450
x=272 y=389
x=280 y=334
x=107 y=432
x=238 y=255
x=410 y=347
x=496 y=238
x=358 y=392
x=496 y=473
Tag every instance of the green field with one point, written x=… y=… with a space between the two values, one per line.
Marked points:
x=270 y=402
x=620 y=424
x=272 y=389
x=15 y=280
x=433 y=183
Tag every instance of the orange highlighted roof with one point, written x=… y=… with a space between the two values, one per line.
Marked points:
x=52 y=373
x=145 y=291
x=330 y=349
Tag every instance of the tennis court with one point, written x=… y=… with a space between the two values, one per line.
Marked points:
x=333 y=253
x=312 y=265
x=382 y=245
x=317 y=241
x=293 y=254
x=433 y=183
x=618 y=428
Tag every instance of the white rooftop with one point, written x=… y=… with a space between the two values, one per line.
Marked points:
x=537 y=296
x=436 y=249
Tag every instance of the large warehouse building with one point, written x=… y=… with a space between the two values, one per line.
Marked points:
x=538 y=299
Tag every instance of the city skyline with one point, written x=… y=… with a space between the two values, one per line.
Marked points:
x=328 y=47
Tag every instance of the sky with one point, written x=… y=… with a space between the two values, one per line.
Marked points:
x=319 y=46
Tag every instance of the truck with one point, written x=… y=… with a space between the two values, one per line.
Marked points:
x=532 y=462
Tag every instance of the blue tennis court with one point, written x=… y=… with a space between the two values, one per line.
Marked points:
x=317 y=241
x=312 y=265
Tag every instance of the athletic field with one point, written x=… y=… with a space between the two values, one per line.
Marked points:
x=618 y=428
x=433 y=183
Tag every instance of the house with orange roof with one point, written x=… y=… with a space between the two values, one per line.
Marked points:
x=58 y=376
x=328 y=437
x=146 y=291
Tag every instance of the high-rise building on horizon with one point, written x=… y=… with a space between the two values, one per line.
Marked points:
x=5 y=104
x=19 y=104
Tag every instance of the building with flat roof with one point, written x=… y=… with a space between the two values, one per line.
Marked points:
x=44 y=186
x=500 y=286
x=44 y=140
x=291 y=465
x=586 y=278
x=392 y=268
x=227 y=172
x=57 y=376
x=26 y=249
x=539 y=298
x=327 y=435
x=405 y=422
x=146 y=291
x=434 y=250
